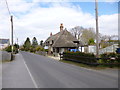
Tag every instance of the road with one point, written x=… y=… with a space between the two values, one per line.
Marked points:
x=45 y=72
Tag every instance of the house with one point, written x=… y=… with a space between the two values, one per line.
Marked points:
x=4 y=43
x=61 y=41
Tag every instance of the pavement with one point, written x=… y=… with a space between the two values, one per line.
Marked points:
x=0 y=69
x=55 y=58
x=29 y=70
x=15 y=74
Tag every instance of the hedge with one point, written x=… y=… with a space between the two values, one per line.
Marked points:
x=110 y=58
x=86 y=58
x=107 y=59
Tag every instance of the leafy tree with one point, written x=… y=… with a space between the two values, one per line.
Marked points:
x=34 y=42
x=8 y=49
x=41 y=42
x=87 y=34
x=15 y=48
x=39 y=48
x=91 y=41
x=27 y=44
x=16 y=45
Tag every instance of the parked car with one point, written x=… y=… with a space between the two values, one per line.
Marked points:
x=118 y=50
x=74 y=50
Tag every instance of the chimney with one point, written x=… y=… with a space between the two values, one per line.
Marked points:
x=61 y=27
x=50 y=34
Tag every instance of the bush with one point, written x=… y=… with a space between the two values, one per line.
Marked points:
x=8 y=49
x=110 y=59
x=86 y=58
x=46 y=50
x=38 y=48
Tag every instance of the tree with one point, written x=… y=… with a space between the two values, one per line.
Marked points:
x=107 y=40
x=77 y=31
x=34 y=42
x=16 y=45
x=41 y=43
x=83 y=34
x=15 y=48
x=91 y=41
x=87 y=34
x=27 y=44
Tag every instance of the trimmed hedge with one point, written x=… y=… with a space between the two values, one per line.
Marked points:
x=107 y=59
x=112 y=58
x=86 y=58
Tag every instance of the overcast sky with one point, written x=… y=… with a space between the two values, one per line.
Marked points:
x=38 y=18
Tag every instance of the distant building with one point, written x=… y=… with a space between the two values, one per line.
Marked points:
x=61 y=42
x=4 y=43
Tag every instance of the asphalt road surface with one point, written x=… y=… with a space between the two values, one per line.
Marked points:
x=48 y=73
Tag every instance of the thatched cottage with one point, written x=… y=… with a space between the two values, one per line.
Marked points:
x=61 y=41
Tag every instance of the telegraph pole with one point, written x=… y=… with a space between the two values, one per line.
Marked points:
x=17 y=46
x=97 y=32
x=11 y=19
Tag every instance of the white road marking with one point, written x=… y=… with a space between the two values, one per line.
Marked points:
x=30 y=74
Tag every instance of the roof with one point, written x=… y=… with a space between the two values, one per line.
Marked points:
x=63 y=39
x=4 y=41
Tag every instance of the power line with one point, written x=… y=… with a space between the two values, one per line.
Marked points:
x=8 y=7
x=10 y=15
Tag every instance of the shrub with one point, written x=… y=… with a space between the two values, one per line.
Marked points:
x=8 y=49
x=86 y=58
x=46 y=50
x=110 y=59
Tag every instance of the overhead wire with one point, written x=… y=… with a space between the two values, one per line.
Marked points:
x=8 y=7
x=10 y=16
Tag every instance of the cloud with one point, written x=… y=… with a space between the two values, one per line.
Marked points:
x=40 y=19
x=74 y=0
x=108 y=24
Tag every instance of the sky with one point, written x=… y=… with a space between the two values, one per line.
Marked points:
x=38 y=18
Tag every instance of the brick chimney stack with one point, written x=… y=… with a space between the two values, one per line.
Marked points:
x=50 y=34
x=61 y=27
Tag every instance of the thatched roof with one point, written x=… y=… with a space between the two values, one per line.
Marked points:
x=63 y=39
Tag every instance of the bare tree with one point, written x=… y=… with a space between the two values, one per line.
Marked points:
x=83 y=34
x=77 y=31
x=107 y=40
x=109 y=37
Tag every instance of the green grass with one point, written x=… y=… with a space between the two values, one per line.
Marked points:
x=4 y=61
x=99 y=67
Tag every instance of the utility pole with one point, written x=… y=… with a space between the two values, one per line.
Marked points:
x=11 y=19
x=17 y=41
x=97 y=32
x=17 y=46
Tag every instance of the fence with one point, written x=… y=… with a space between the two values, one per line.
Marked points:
x=109 y=49
x=111 y=61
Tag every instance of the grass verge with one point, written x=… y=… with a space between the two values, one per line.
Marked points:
x=99 y=67
x=4 y=61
